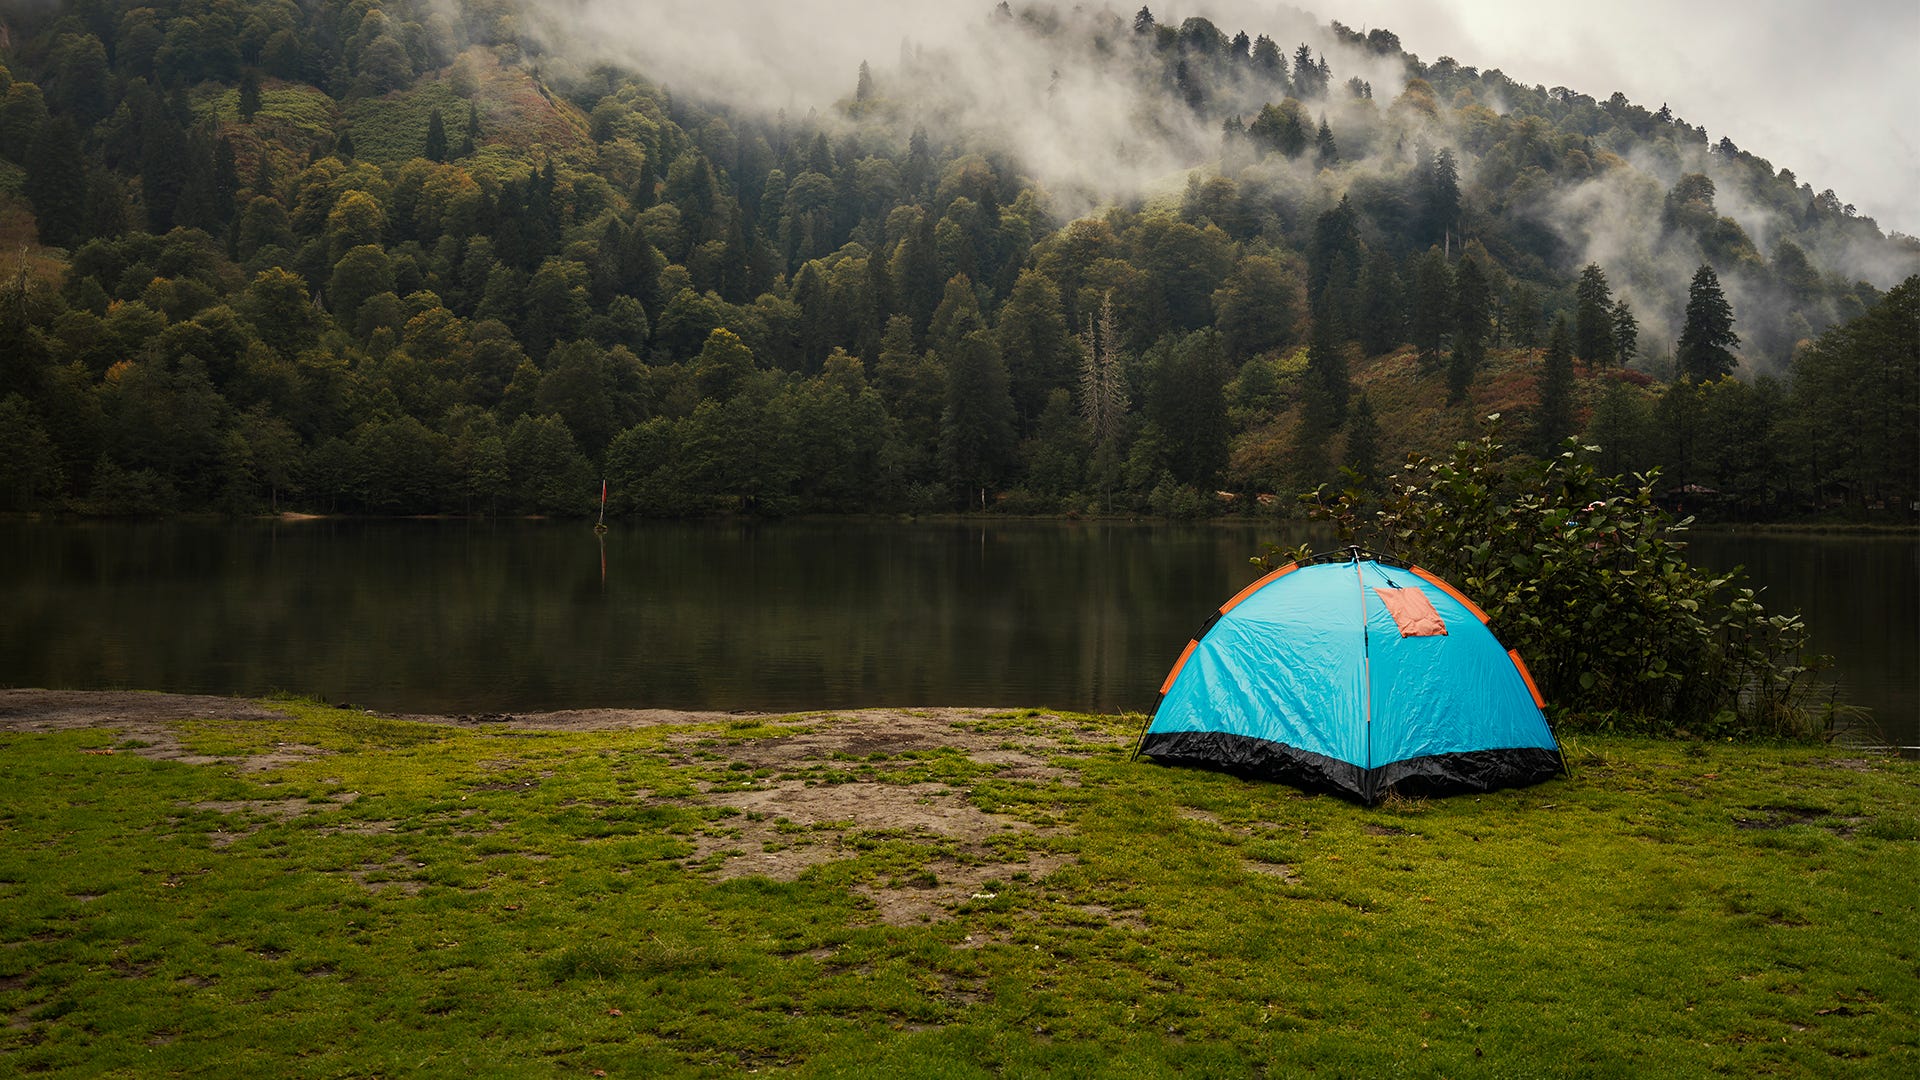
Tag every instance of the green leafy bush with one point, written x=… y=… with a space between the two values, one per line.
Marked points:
x=1586 y=575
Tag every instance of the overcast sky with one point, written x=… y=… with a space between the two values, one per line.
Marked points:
x=1829 y=89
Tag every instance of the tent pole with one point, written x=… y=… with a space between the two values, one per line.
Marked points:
x=1366 y=668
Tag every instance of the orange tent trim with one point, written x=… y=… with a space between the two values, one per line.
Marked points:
x=1453 y=592
x=1514 y=655
x=1177 y=665
x=1257 y=586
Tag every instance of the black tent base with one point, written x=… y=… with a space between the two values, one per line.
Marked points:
x=1437 y=774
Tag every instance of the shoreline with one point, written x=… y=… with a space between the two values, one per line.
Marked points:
x=292 y=517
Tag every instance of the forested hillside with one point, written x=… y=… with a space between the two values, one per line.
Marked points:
x=406 y=256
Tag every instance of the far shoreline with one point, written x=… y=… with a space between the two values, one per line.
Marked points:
x=297 y=517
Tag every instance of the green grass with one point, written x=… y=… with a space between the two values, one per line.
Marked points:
x=404 y=898
x=292 y=111
x=517 y=118
x=393 y=128
x=1414 y=409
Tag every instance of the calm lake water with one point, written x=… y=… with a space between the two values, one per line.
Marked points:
x=446 y=616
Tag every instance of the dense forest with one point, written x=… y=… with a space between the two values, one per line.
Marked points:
x=405 y=256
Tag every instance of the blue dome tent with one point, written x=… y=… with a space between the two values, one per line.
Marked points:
x=1352 y=673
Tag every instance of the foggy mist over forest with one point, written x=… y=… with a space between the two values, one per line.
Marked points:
x=1075 y=102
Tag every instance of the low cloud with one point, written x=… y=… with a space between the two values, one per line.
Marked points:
x=1080 y=115
x=1093 y=118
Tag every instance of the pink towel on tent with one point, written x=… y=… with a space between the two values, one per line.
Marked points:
x=1412 y=612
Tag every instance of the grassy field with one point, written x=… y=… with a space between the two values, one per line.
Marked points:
x=950 y=893
x=1413 y=410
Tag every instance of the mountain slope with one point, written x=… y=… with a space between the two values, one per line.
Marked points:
x=407 y=256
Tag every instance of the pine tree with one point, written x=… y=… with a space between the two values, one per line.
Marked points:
x=958 y=314
x=1618 y=426
x=436 y=148
x=1269 y=61
x=1378 y=305
x=163 y=168
x=735 y=263
x=1309 y=463
x=863 y=85
x=1363 y=443
x=1555 y=419
x=1036 y=344
x=1626 y=333
x=1431 y=307
x=1523 y=316
x=1278 y=128
x=249 y=94
x=1326 y=154
x=199 y=205
x=1309 y=78
x=226 y=181
x=1188 y=84
x=976 y=424
x=1327 y=373
x=1471 y=316
x=107 y=213
x=1235 y=150
x=915 y=272
x=1443 y=198
x=646 y=189
x=264 y=176
x=815 y=329
x=1188 y=405
x=1103 y=394
x=1706 y=339
x=1593 y=318
x=1332 y=264
x=56 y=183
x=819 y=156
x=916 y=176
x=471 y=141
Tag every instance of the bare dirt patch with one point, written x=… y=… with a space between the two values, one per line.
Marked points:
x=139 y=716
x=935 y=808
x=395 y=873
x=865 y=733
x=586 y=719
x=256 y=814
x=1284 y=871
x=948 y=884
x=790 y=826
x=282 y=754
x=1130 y=918
x=783 y=825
